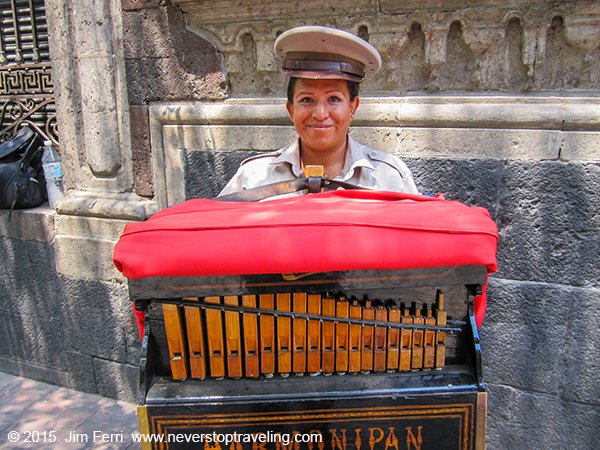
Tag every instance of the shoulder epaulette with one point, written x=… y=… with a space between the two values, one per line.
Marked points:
x=261 y=155
x=387 y=158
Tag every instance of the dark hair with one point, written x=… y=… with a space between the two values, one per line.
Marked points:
x=353 y=88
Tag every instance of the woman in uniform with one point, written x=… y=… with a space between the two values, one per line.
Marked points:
x=326 y=67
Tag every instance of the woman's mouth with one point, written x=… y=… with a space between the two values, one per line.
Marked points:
x=320 y=126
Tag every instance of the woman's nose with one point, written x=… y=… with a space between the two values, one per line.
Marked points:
x=320 y=111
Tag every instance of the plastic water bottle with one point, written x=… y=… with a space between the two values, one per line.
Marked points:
x=52 y=174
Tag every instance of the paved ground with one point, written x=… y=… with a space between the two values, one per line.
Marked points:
x=42 y=416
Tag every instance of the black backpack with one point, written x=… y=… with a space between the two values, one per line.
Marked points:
x=22 y=183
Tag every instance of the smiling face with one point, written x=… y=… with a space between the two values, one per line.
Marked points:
x=321 y=111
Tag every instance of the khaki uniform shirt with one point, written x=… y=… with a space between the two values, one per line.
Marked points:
x=364 y=167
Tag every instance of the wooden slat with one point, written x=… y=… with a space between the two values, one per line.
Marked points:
x=341 y=337
x=195 y=337
x=314 y=335
x=417 y=341
x=405 y=342
x=175 y=343
x=267 y=335
x=284 y=336
x=354 y=341
x=393 y=341
x=380 y=341
x=429 y=342
x=251 y=344
x=299 y=334
x=328 y=337
x=233 y=338
x=440 y=336
x=367 y=339
x=216 y=344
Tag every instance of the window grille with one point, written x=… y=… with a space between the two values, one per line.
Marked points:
x=26 y=88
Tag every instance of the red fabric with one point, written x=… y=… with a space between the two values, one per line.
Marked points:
x=479 y=305
x=140 y=319
x=338 y=230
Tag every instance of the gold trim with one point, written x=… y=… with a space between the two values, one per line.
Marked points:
x=481 y=420
x=144 y=425
x=296 y=276
x=462 y=412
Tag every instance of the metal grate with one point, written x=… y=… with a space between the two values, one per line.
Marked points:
x=26 y=88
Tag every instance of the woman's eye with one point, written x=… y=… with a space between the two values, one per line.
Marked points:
x=305 y=100
x=335 y=99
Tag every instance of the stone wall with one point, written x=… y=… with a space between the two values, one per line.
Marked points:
x=64 y=317
x=65 y=312
x=493 y=102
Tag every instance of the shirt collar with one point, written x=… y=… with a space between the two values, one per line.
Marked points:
x=291 y=155
x=355 y=157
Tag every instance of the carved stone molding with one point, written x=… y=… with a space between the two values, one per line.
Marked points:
x=91 y=97
x=426 y=46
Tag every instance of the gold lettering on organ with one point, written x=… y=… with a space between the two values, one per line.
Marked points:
x=320 y=442
x=411 y=440
x=336 y=442
x=391 y=440
x=380 y=438
x=375 y=439
x=357 y=441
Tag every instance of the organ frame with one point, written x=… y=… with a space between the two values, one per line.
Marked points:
x=164 y=401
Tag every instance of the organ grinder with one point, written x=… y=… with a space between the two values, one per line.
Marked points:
x=341 y=320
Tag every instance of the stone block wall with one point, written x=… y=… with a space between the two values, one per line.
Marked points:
x=540 y=351
x=65 y=313
x=165 y=61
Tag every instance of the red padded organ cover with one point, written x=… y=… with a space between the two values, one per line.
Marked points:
x=338 y=230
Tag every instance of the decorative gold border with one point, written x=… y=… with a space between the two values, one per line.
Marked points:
x=463 y=412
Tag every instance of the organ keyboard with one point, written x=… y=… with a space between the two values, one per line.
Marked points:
x=359 y=335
